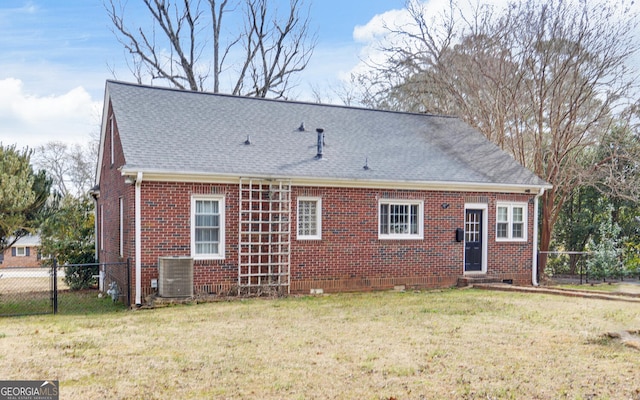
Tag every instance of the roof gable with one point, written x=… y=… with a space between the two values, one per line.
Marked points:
x=26 y=241
x=181 y=132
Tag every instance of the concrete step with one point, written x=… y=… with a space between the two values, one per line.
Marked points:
x=464 y=281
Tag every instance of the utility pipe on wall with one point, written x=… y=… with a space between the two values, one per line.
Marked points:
x=138 y=228
x=534 y=267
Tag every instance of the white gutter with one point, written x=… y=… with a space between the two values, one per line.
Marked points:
x=138 y=234
x=534 y=266
x=205 y=177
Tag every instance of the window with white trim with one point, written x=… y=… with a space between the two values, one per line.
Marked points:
x=400 y=219
x=21 y=251
x=309 y=218
x=207 y=227
x=511 y=221
x=101 y=227
x=121 y=226
x=111 y=139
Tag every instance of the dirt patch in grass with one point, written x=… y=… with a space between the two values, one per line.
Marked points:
x=628 y=338
x=467 y=344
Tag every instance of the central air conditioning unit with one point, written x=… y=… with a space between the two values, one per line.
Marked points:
x=175 y=276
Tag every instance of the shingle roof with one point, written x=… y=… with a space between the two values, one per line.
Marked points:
x=29 y=240
x=174 y=131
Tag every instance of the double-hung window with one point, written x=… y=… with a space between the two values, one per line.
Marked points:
x=207 y=227
x=111 y=139
x=309 y=218
x=400 y=219
x=121 y=226
x=511 y=222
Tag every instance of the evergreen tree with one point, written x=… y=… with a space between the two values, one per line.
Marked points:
x=605 y=259
x=68 y=237
x=23 y=195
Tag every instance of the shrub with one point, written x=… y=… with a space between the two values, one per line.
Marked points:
x=606 y=252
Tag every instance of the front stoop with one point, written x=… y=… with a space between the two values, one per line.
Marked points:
x=464 y=281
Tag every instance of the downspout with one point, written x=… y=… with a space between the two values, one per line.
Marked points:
x=96 y=254
x=138 y=228
x=94 y=195
x=534 y=266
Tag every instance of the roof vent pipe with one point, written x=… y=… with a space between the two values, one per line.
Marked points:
x=320 y=143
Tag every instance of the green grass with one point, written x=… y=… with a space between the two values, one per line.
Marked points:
x=86 y=302
x=69 y=303
x=459 y=344
x=25 y=303
x=592 y=287
x=603 y=287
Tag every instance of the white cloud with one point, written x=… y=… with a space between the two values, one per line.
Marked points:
x=375 y=34
x=376 y=29
x=32 y=120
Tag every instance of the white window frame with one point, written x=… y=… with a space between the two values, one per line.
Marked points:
x=220 y=255
x=484 y=207
x=510 y=222
x=101 y=227
x=21 y=249
x=402 y=236
x=318 y=235
x=121 y=226
x=111 y=139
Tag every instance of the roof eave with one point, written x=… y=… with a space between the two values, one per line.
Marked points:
x=103 y=128
x=202 y=177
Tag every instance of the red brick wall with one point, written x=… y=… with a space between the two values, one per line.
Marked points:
x=112 y=188
x=350 y=256
x=166 y=231
x=507 y=258
x=30 y=261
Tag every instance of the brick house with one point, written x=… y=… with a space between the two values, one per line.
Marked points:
x=263 y=193
x=25 y=253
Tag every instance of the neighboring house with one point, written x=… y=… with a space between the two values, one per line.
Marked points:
x=302 y=197
x=25 y=252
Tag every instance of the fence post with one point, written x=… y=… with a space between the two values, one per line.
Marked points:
x=581 y=271
x=586 y=274
x=621 y=269
x=55 y=286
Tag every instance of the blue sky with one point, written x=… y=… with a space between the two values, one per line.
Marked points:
x=56 y=55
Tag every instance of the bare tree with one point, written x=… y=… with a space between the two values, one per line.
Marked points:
x=543 y=79
x=71 y=168
x=267 y=52
x=52 y=158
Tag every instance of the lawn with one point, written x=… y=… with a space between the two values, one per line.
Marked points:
x=616 y=287
x=461 y=344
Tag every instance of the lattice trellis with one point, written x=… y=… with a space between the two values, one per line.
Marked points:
x=265 y=235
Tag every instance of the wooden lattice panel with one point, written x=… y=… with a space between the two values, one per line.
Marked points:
x=265 y=235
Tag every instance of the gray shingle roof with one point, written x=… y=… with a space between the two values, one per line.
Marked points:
x=29 y=240
x=173 y=131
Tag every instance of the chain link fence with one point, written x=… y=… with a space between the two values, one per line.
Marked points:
x=26 y=291
x=574 y=266
x=56 y=289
